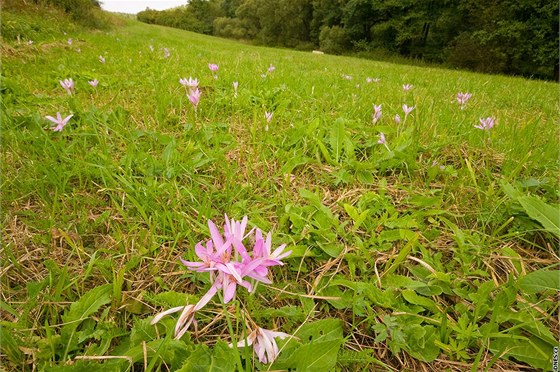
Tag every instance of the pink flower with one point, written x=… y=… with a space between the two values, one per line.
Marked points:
x=263 y=343
x=93 y=83
x=268 y=116
x=59 y=121
x=376 y=113
x=486 y=124
x=69 y=41
x=194 y=97
x=190 y=83
x=213 y=67
x=397 y=119
x=463 y=98
x=407 y=87
x=68 y=85
x=372 y=80
x=101 y=59
x=407 y=110
x=346 y=77
x=264 y=257
x=382 y=140
x=271 y=69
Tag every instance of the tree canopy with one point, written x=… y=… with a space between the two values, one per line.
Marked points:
x=518 y=37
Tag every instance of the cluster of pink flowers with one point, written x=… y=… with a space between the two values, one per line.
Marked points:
x=486 y=124
x=68 y=85
x=407 y=87
x=463 y=98
x=229 y=263
x=192 y=90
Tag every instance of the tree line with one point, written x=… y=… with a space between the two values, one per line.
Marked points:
x=517 y=37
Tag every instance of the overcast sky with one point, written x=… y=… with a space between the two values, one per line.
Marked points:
x=135 y=6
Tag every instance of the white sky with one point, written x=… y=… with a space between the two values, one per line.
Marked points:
x=135 y=6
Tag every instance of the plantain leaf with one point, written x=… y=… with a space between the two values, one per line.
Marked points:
x=337 y=139
x=547 y=215
x=540 y=280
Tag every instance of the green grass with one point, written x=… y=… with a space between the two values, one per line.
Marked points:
x=440 y=251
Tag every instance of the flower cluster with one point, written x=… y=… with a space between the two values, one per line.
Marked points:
x=463 y=98
x=192 y=90
x=226 y=258
x=486 y=124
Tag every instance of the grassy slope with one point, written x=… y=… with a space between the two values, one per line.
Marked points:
x=127 y=187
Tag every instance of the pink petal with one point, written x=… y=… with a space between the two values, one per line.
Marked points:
x=206 y=298
x=216 y=236
x=229 y=291
x=66 y=119
x=51 y=119
x=159 y=316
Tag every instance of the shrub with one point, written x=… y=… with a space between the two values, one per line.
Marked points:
x=334 y=40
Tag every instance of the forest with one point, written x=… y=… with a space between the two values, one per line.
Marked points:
x=514 y=37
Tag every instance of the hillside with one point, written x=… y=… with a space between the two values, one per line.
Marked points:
x=423 y=242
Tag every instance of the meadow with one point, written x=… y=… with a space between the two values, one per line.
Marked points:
x=427 y=241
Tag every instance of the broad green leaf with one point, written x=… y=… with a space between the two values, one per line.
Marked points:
x=80 y=310
x=168 y=351
x=420 y=342
x=325 y=152
x=318 y=356
x=321 y=330
x=533 y=351
x=415 y=299
x=337 y=139
x=547 y=215
x=540 y=280
x=202 y=359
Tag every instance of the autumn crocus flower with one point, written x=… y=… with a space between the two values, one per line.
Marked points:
x=59 y=121
x=69 y=41
x=376 y=113
x=382 y=140
x=463 y=98
x=68 y=85
x=230 y=265
x=486 y=124
x=189 y=83
x=166 y=53
x=194 y=97
x=93 y=83
x=214 y=68
x=407 y=110
x=268 y=116
x=407 y=87
x=397 y=119
x=264 y=343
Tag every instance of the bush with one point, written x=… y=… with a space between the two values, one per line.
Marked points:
x=334 y=40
